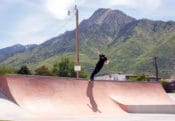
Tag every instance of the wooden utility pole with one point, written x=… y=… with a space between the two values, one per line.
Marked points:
x=78 y=68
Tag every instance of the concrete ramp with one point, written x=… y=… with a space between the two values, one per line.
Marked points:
x=71 y=97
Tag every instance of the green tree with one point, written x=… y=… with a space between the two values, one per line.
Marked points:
x=24 y=70
x=43 y=70
x=65 y=68
x=141 y=77
x=83 y=73
x=6 y=70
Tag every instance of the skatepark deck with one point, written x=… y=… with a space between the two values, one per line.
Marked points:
x=43 y=95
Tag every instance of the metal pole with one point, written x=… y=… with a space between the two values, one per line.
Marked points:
x=77 y=41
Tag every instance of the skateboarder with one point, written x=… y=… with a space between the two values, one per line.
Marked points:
x=99 y=65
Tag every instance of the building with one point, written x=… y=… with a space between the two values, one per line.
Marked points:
x=124 y=77
x=117 y=77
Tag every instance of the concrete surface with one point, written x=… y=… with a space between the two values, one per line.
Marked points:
x=131 y=117
x=11 y=111
x=48 y=98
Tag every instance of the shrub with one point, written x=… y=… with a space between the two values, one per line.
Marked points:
x=6 y=70
x=43 y=70
x=65 y=68
x=24 y=70
x=141 y=77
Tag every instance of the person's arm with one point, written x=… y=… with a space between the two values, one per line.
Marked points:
x=98 y=52
x=107 y=62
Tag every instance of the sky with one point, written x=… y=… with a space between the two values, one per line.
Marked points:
x=36 y=21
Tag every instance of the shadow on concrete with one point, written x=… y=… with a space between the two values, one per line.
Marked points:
x=93 y=105
x=5 y=91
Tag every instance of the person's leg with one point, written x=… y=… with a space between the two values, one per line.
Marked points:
x=93 y=74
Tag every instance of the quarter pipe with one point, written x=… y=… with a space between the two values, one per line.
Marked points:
x=42 y=95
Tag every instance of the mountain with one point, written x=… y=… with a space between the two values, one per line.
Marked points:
x=10 y=51
x=143 y=40
x=130 y=44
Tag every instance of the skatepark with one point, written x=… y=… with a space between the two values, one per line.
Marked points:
x=58 y=98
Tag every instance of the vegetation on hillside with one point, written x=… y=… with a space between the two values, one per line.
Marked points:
x=62 y=68
x=6 y=70
x=129 y=44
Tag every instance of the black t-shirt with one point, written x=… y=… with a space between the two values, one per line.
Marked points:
x=102 y=59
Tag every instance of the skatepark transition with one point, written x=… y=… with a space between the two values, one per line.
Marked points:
x=43 y=95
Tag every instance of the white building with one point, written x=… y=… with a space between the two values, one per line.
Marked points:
x=117 y=77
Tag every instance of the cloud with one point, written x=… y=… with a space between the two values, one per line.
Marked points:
x=146 y=4
x=31 y=29
x=129 y=4
x=33 y=23
x=59 y=8
x=37 y=28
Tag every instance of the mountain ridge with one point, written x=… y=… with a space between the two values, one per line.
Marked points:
x=15 y=49
x=124 y=39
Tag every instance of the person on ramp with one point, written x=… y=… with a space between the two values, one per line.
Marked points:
x=102 y=59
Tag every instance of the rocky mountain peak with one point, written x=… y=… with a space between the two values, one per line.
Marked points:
x=108 y=16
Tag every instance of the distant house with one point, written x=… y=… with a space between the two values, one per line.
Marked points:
x=123 y=77
x=117 y=77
